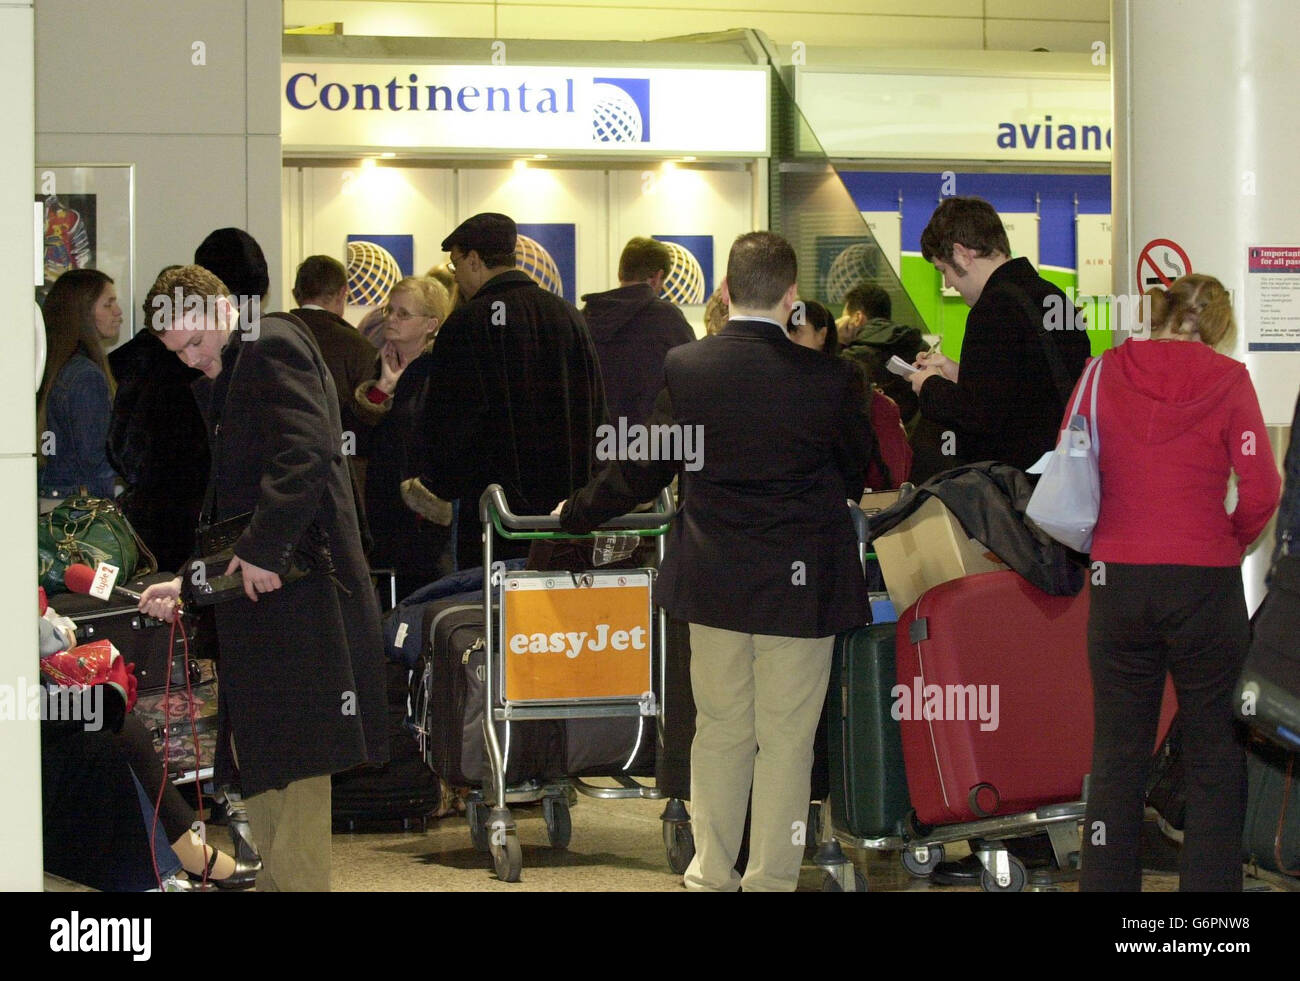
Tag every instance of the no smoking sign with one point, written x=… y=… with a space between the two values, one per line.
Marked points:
x=1160 y=262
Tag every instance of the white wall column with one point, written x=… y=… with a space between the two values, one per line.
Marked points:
x=1207 y=155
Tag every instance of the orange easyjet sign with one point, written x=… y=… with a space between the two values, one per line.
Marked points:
x=564 y=642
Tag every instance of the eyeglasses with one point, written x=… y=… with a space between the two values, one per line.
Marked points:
x=397 y=313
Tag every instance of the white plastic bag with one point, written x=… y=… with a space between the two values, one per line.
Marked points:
x=1067 y=499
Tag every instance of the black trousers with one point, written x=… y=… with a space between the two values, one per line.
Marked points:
x=1191 y=621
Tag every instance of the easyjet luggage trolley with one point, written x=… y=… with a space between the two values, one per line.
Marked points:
x=562 y=645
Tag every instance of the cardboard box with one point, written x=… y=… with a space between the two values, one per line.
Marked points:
x=928 y=548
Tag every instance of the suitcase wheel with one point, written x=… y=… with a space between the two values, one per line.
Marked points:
x=679 y=843
x=921 y=860
x=832 y=884
x=1015 y=877
x=559 y=824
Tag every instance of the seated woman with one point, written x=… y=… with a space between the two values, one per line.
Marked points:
x=75 y=400
x=101 y=785
x=413 y=531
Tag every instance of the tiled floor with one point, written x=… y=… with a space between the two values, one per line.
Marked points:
x=618 y=846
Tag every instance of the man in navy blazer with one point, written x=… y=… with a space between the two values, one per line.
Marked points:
x=761 y=560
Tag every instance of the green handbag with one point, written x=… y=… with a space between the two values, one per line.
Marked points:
x=89 y=530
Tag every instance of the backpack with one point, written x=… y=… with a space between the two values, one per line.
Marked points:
x=891 y=454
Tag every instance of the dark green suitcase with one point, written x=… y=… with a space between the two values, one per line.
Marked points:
x=869 y=796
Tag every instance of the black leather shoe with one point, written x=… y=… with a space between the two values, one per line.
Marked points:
x=244 y=876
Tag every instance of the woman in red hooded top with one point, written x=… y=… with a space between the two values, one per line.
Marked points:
x=1175 y=419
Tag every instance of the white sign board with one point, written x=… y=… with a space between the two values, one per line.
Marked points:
x=349 y=106
x=887 y=229
x=1092 y=248
x=953 y=117
x=1272 y=298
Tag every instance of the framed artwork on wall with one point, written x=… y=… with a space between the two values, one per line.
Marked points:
x=88 y=217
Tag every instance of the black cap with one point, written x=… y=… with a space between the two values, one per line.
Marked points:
x=488 y=233
x=236 y=259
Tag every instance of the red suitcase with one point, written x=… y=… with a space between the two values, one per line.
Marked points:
x=995 y=699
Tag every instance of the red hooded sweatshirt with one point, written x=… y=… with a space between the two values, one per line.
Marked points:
x=1174 y=418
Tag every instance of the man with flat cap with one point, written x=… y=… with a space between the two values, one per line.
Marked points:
x=515 y=394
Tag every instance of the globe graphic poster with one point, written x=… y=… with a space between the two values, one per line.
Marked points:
x=547 y=251
x=372 y=273
x=690 y=281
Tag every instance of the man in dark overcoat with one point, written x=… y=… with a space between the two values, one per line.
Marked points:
x=515 y=391
x=301 y=667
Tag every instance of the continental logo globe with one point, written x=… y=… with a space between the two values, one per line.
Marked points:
x=537 y=262
x=372 y=273
x=615 y=115
x=859 y=262
x=685 y=282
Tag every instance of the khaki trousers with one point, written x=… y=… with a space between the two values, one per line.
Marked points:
x=291 y=829
x=758 y=699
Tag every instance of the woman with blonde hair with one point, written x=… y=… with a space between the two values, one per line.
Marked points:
x=75 y=401
x=413 y=531
x=1175 y=419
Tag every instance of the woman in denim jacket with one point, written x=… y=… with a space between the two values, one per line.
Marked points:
x=75 y=400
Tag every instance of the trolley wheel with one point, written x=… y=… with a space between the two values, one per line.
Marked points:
x=508 y=858
x=559 y=824
x=1018 y=878
x=476 y=813
x=918 y=868
x=832 y=884
x=679 y=843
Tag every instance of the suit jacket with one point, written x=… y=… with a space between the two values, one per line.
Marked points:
x=763 y=542
x=514 y=397
x=302 y=677
x=1005 y=405
x=349 y=356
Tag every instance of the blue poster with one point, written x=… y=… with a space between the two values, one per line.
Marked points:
x=548 y=252
x=684 y=285
x=400 y=247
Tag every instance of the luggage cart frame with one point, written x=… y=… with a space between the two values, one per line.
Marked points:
x=496 y=828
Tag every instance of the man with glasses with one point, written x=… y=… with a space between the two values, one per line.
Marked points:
x=515 y=394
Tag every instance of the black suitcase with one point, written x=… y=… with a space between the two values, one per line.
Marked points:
x=448 y=705
x=403 y=789
x=142 y=641
x=1271 y=834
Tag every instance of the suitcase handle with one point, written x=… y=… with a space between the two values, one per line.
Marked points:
x=492 y=507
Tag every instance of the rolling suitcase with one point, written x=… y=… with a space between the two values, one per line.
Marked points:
x=868 y=779
x=996 y=698
x=403 y=789
x=448 y=705
x=1271 y=833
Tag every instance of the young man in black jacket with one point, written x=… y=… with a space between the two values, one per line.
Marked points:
x=1005 y=399
x=761 y=559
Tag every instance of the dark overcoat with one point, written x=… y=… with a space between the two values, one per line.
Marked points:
x=302 y=685
x=514 y=398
